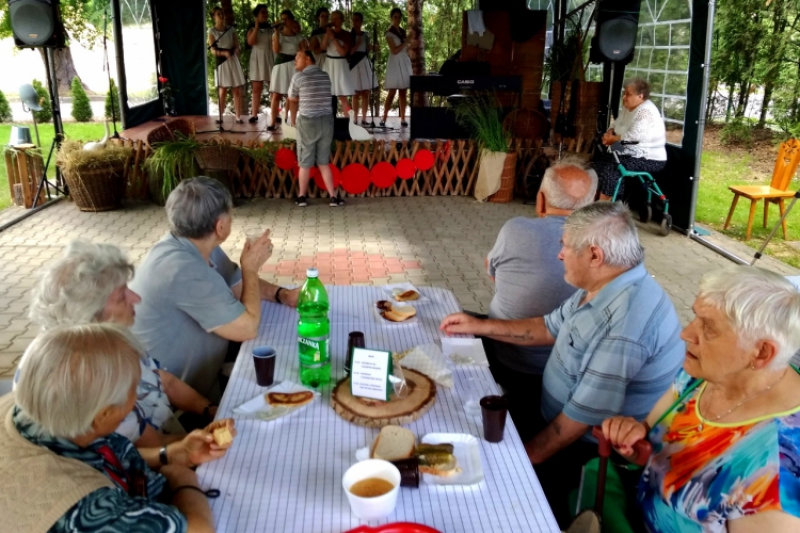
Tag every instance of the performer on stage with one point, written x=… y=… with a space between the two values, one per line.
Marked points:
x=322 y=17
x=262 y=58
x=364 y=79
x=336 y=42
x=286 y=42
x=398 y=68
x=311 y=113
x=225 y=47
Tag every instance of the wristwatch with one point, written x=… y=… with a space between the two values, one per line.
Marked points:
x=162 y=456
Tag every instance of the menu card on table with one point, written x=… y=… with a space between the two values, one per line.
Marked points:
x=369 y=373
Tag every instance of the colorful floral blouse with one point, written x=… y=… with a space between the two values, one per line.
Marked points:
x=111 y=510
x=703 y=474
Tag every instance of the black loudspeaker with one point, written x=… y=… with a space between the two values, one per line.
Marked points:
x=36 y=23
x=615 y=33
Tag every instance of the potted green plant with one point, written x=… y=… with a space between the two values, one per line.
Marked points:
x=96 y=178
x=482 y=116
x=171 y=162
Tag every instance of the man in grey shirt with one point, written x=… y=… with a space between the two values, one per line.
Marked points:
x=529 y=282
x=310 y=97
x=194 y=298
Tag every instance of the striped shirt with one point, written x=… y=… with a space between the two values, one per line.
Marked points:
x=313 y=87
x=615 y=355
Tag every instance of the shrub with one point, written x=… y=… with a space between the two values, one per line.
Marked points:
x=5 y=109
x=112 y=96
x=46 y=114
x=81 y=108
x=737 y=132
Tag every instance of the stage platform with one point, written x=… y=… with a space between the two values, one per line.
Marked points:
x=247 y=132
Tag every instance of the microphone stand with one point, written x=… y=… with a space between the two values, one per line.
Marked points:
x=220 y=103
x=375 y=86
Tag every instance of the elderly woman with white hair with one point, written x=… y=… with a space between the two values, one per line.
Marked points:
x=90 y=284
x=64 y=468
x=726 y=436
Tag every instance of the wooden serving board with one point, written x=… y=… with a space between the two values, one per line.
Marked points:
x=395 y=412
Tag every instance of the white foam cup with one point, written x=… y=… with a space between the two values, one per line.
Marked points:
x=379 y=506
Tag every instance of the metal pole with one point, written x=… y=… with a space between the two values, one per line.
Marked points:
x=701 y=116
x=721 y=251
x=122 y=86
x=785 y=214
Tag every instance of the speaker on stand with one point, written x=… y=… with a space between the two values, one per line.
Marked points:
x=613 y=45
x=37 y=24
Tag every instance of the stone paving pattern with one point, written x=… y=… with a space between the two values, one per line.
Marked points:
x=428 y=241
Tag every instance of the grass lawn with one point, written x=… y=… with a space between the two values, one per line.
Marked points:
x=83 y=132
x=723 y=166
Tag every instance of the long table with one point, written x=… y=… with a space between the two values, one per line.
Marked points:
x=285 y=476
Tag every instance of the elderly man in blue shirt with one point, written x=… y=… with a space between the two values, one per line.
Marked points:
x=616 y=344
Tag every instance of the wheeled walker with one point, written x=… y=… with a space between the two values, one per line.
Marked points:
x=650 y=186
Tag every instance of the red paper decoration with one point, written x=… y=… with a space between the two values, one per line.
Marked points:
x=285 y=159
x=355 y=178
x=406 y=168
x=423 y=159
x=317 y=175
x=384 y=175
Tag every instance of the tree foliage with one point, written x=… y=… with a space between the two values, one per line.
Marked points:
x=112 y=101
x=5 y=109
x=81 y=108
x=46 y=114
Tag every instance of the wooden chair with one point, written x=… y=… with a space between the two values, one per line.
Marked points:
x=775 y=192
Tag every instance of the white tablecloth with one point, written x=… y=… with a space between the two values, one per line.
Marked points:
x=285 y=476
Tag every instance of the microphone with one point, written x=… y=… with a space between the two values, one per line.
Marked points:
x=277 y=26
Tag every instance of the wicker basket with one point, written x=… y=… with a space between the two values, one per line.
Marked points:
x=97 y=188
x=506 y=191
x=217 y=157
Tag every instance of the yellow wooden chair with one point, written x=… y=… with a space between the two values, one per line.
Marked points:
x=776 y=191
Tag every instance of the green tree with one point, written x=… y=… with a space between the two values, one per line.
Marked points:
x=112 y=99
x=5 y=109
x=46 y=114
x=81 y=108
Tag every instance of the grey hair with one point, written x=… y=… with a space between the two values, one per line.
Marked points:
x=554 y=190
x=640 y=86
x=75 y=289
x=71 y=373
x=758 y=304
x=609 y=226
x=195 y=205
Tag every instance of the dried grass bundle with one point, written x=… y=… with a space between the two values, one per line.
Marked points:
x=73 y=158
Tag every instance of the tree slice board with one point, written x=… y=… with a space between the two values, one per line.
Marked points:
x=395 y=412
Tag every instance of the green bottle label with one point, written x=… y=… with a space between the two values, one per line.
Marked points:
x=313 y=351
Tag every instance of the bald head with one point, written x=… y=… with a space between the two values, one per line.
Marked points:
x=568 y=185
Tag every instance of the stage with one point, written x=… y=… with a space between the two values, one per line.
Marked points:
x=257 y=133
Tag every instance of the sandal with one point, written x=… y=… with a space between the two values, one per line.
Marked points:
x=239 y=121
x=383 y=122
x=218 y=121
x=274 y=127
x=253 y=120
x=403 y=124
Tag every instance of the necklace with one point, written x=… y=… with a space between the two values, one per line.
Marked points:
x=735 y=407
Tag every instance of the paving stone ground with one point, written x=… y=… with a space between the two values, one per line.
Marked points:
x=429 y=241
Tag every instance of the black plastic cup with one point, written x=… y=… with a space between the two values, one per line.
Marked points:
x=354 y=340
x=494 y=410
x=409 y=471
x=264 y=359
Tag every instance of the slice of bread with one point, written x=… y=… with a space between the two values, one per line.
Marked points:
x=222 y=437
x=407 y=296
x=399 y=313
x=394 y=443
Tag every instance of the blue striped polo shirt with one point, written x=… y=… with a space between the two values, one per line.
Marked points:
x=615 y=355
x=313 y=87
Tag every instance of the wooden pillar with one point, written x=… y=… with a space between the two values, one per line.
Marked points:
x=416 y=51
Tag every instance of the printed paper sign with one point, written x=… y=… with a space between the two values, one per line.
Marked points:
x=369 y=373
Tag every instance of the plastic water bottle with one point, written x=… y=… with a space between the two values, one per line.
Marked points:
x=313 y=332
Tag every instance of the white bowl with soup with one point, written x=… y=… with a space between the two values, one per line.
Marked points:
x=372 y=487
